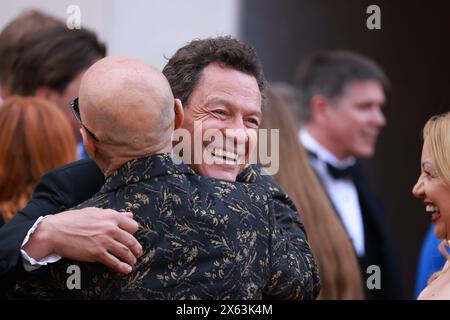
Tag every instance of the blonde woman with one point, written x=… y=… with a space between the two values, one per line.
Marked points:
x=433 y=186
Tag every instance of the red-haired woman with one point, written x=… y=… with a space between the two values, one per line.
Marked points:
x=35 y=136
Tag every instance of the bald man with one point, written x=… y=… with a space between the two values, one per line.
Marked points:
x=201 y=238
x=131 y=114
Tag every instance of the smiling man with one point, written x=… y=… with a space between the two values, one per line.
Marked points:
x=343 y=95
x=220 y=84
x=227 y=101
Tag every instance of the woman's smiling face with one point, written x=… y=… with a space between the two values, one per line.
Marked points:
x=436 y=194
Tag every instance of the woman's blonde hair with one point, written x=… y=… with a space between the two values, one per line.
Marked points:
x=331 y=246
x=437 y=134
x=35 y=137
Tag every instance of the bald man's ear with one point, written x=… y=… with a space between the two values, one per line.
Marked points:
x=89 y=145
x=179 y=113
x=319 y=109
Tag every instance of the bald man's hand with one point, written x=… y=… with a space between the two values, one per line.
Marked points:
x=88 y=235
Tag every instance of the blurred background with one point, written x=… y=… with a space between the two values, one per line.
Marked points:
x=149 y=30
x=412 y=47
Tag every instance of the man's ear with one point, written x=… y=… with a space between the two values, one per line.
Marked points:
x=88 y=143
x=45 y=92
x=179 y=113
x=319 y=108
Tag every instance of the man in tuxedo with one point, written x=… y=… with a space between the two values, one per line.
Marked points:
x=208 y=76
x=343 y=95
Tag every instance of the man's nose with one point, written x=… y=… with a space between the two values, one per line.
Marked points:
x=237 y=136
x=237 y=132
x=378 y=117
x=418 y=190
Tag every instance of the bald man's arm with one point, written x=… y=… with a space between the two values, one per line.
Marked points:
x=88 y=235
x=67 y=234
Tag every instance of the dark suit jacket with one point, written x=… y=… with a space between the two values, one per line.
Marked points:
x=202 y=238
x=63 y=188
x=380 y=248
x=58 y=190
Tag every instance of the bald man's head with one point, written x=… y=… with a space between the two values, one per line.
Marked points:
x=127 y=103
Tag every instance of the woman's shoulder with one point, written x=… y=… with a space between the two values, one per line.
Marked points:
x=438 y=287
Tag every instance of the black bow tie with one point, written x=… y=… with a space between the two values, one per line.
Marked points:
x=336 y=173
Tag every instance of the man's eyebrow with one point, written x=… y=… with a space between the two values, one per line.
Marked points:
x=217 y=100
x=257 y=113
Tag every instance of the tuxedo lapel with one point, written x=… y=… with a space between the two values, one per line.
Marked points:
x=371 y=208
x=380 y=249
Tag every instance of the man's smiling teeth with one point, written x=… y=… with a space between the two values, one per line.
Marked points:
x=225 y=154
x=431 y=209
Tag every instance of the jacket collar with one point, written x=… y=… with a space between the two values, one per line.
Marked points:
x=250 y=174
x=146 y=168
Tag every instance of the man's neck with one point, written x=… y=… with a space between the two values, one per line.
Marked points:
x=110 y=165
x=326 y=142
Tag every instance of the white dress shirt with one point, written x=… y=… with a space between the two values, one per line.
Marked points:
x=29 y=263
x=342 y=192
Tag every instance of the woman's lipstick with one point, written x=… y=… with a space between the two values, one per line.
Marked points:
x=435 y=217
